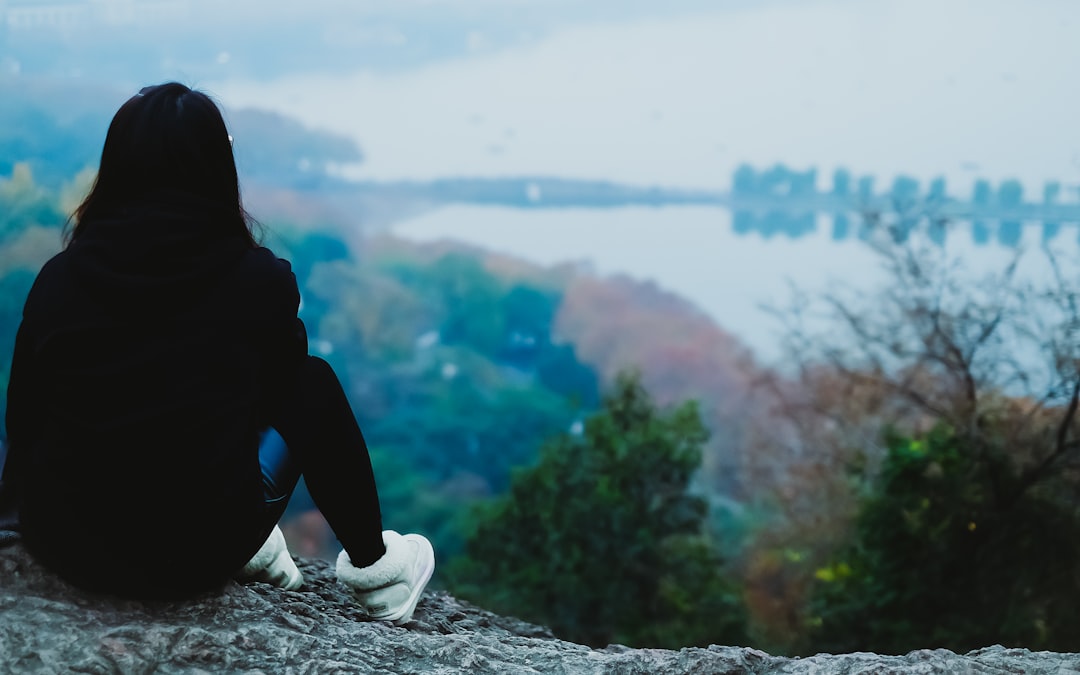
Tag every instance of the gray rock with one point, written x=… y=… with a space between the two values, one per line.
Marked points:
x=48 y=626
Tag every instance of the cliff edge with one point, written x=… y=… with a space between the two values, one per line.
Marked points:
x=48 y=626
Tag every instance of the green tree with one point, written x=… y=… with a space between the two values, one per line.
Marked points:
x=473 y=300
x=939 y=561
x=601 y=539
x=463 y=425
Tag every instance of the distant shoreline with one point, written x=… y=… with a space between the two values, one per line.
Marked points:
x=769 y=214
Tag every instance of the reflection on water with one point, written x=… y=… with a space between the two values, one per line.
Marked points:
x=782 y=201
x=701 y=253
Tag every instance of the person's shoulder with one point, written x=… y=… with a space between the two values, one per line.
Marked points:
x=58 y=264
x=262 y=258
x=265 y=270
x=269 y=267
x=53 y=277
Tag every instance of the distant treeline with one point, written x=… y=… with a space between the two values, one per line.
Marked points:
x=780 y=200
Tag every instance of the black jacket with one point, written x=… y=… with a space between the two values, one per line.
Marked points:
x=151 y=353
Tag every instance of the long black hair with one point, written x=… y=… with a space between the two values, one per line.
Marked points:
x=166 y=137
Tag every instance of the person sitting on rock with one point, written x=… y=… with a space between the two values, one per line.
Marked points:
x=162 y=404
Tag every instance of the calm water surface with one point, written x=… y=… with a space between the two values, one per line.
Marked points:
x=693 y=251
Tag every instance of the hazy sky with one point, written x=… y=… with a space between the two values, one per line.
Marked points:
x=964 y=88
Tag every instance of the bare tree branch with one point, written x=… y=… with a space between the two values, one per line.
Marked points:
x=1061 y=445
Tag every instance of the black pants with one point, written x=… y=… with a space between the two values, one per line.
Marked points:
x=318 y=437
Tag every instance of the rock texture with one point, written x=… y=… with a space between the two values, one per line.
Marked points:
x=47 y=626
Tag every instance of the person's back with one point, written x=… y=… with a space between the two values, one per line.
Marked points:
x=155 y=352
x=157 y=343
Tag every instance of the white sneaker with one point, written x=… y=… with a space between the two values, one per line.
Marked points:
x=273 y=564
x=389 y=588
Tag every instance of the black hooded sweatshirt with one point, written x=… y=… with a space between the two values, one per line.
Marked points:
x=152 y=352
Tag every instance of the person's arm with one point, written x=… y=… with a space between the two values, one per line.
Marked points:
x=292 y=343
x=23 y=427
x=286 y=338
x=21 y=417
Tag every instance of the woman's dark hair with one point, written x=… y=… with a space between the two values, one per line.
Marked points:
x=166 y=137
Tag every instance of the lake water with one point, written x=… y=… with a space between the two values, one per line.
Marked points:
x=694 y=252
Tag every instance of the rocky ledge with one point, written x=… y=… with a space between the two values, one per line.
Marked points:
x=50 y=627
